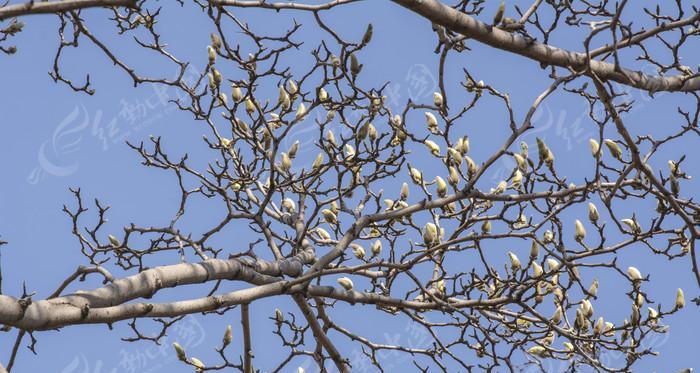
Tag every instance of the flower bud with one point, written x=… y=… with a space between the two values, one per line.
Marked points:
x=580 y=231
x=358 y=251
x=517 y=179
x=615 y=149
x=537 y=351
x=471 y=166
x=228 y=335
x=534 y=250
x=180 y=351
x=236 y=93
x=323 y=234
x=318 y=161
x=430 y=234
x=441 y=186
x=286 y=163
x=553 y=264
x=215 y=41
x=301 y=111
x=329 y=216
x=346 y=283
x=432 y=122
x=279 y=316
x=113 y=241
x=632 y=224
x=249 y=106
x=289 y=205
x=416 y=175
x=587 y=308
x=349 y=152
x=599 y=326
x=197 y=363
x=322 y=94
x=330 y=137
x=486 y=226
x=592 y=212
x=355 y=66
x=536 y=270
x=216 y=75
x=522 y=163
x=372 y=132
x=437 y=99
x=593 y=289
x=680 y=299
x=595 y=148
x=634 y=274
x=211 y=53
x=548 y=236
x=376 y=247
x=404 y=191
x=433 y=147
x=453 y=179
x=556 y=317
x=514 y=261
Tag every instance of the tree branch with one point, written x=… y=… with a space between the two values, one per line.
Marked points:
x=32 y=7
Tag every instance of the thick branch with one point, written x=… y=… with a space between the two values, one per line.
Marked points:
x=34 y=7
x=454 y=20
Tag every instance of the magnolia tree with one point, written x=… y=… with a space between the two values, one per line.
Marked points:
x=390 y=213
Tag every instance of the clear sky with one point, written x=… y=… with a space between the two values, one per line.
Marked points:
x=52 y=139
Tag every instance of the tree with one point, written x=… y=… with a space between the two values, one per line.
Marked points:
x=390 y=203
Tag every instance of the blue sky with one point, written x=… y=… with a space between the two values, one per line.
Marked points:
x=52 y=139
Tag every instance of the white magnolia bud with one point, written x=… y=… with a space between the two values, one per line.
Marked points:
x=292 y=87
x=634 y=274
x=593 y=289
x=522 y=163
x=358 y=251
x=433 y=147
x=441 y=186
x=486 y=226
x=536 y=270
x=346 y=283
x=404 y=191
x=113 y=241
x=322 y=94
x=331 y=138
x=599 y=326
x=228 y=335
x=556 y=317
x=293 y=149
x=376 y=247
x=432 y=122
x=318 y=161
x=587 y=308
x=372 y=132
x=215 y=41
x=329 y=216
x=249 y=106
x=453 y=179
x=180 y=351
x=580 y=231
x=537 y=351
x=592 y=212
x=471 y=166
x=216 y=75
x=553 y=264
x=548 y=236
x=286 y=163
x=349 y=152
x=301 y=111
x=514 y=261
x=197 y=363
x=632 y=224
x=289 y=205
x=455 y=156
x=430 y=234
x=211 y=54
x=517 y=179
x=323 y=234
x=680 y=299
x=534 y=250
x=501 y=187
x=595 y=148
x=437 y=99
x=416 y=175
x=615 y=149
x=236 y=93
